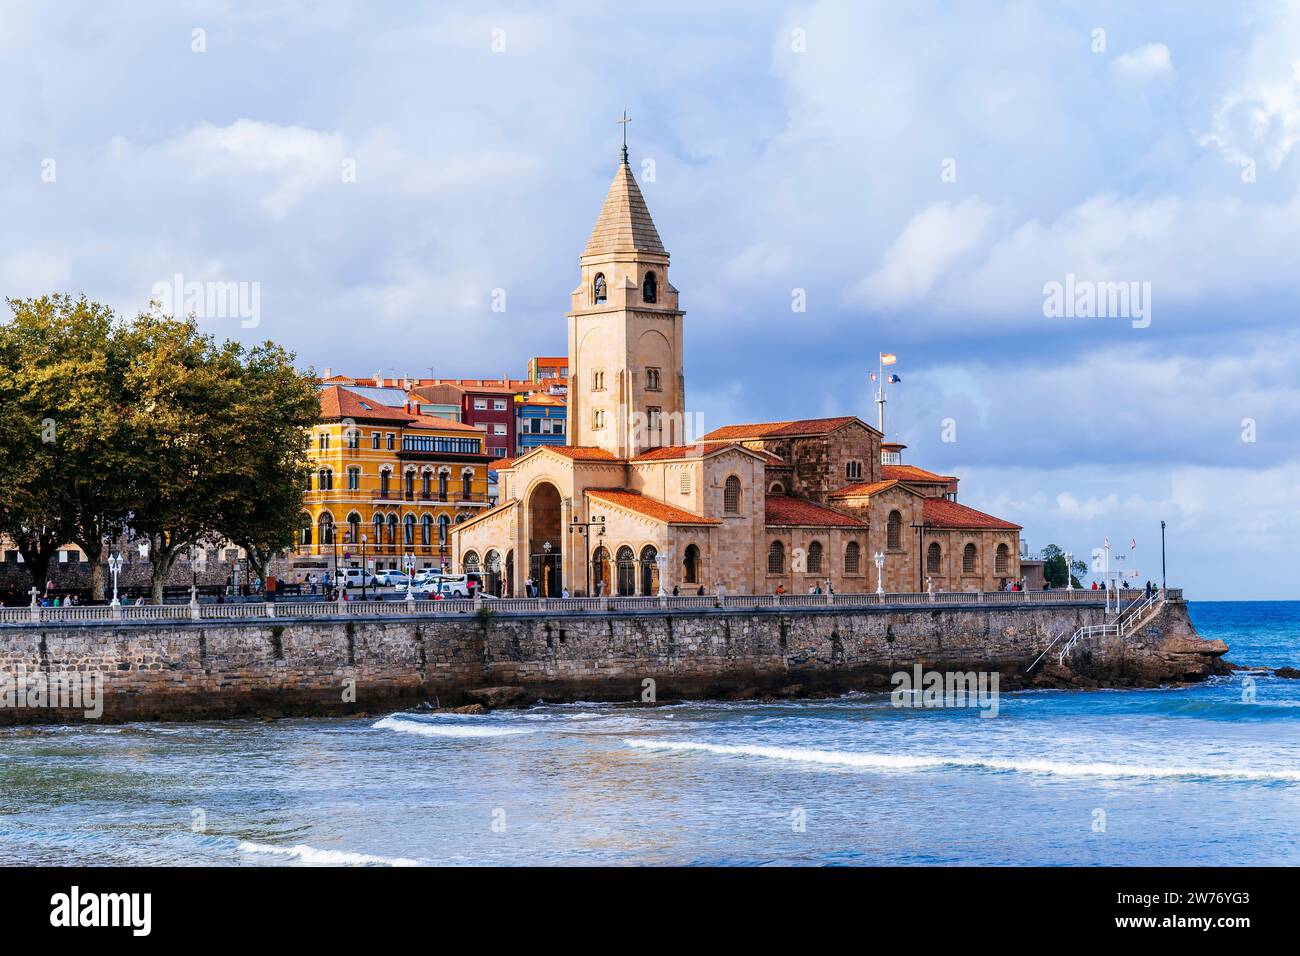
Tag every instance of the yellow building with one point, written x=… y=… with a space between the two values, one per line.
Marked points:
x=387 y=482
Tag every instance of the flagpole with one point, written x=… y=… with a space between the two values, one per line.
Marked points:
x=880 y=390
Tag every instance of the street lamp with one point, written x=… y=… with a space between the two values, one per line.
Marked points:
x=584 y=528
x=546 y=569
x=1069 y=578
x=408 y=562
x=1163 y=584
x=115 y=568
x=880 y=569
x=365 y=593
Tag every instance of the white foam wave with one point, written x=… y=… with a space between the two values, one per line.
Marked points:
x=841 y=758
x=442 y=730
x=309 y=854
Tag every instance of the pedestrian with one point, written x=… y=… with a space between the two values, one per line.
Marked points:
x=780 y=589
x=564 y=593
x=700 y=592
x=675 y=591
x=271 y=585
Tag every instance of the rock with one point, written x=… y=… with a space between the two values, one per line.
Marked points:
x=467 y=709
x=1291 y=673
x=494 y=697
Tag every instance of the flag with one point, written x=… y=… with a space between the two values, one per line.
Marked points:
x=873 y=376
x=894 y=379
x=888 y=358
x=1107 y=542
x=1133 y=544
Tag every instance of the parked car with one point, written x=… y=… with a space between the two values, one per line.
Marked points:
x=391 y=579
x=354 y=578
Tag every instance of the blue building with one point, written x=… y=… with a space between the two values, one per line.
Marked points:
x=540 y=420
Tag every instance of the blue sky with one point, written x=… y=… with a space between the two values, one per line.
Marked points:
x=798 y=146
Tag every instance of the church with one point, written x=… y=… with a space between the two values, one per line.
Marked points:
x=630 y=506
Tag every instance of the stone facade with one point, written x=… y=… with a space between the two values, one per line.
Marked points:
x=180 y=670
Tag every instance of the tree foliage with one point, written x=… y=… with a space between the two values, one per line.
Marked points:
x=1054 y=569
x=147 y=427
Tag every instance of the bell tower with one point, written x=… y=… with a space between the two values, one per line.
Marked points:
x=626 y=386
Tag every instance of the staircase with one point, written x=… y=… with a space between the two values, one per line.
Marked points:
x=1133 y=617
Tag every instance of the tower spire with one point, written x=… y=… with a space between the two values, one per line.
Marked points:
x=623 y=122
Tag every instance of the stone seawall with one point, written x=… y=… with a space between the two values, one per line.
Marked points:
x=182 y=670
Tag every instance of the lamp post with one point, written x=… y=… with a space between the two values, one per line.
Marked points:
x=920 y=552
x=1163 y=585
x=408 y=563
x=365 y=593
x=115 y=568
x=880 y=570
x=1069 y=577
x=584 y=528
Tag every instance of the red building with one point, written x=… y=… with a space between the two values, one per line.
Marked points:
x=486 y=402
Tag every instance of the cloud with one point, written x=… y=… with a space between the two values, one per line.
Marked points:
x=1145 y=64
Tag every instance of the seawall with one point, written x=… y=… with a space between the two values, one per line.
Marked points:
x=173 y=669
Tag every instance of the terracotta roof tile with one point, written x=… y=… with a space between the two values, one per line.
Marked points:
x=866 y=488
x=582 y=452
x=911 y=473
x=699 y=449
x=337 y=402
x=804 y=426
x=501 y=463
x=787 y=510
x=649 y=507
x=942 y=513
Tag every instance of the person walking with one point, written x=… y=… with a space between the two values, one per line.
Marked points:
x=271 y=585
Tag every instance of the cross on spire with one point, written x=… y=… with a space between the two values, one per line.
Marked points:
x=623 y=122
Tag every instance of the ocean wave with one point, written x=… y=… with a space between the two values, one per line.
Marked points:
x=310 y=854
x=410 y=726
x=870 y=761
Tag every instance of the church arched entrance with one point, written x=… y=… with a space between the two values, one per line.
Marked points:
x=545 y=537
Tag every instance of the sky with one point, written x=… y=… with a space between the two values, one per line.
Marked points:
x=832 y=180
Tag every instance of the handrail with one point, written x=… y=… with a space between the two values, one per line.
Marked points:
x=579 y=605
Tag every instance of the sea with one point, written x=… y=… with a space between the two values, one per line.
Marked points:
x=1200 y=775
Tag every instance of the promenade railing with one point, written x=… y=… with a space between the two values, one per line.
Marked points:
x=36 y=615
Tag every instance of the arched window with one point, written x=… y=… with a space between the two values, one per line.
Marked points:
x=325 y=524
x=325 y=480
x=932 y=556
x=392 y=529
x=691 y=565
x=304 y=530
x=776 y=489
x=426 y=531
x=968 y=559
x=652 y=380
x=354 y=479
x=598 y=292
x=385 y=476
x=1002 y=563
x=815 y=558
x=461 y=517
x=776 y=558
x=894 y=533
x=354 y=528
x=598 y=418
x=731 y=495
x=443 y=524
x=379 y=530
x=470 y=562
x=408 y=530
x=466 y=486
x=409 y=481
x=852 y=558
x=425 y=485
x=442 y=486
x=626 y=571
x=649 y=289
x=649 y=570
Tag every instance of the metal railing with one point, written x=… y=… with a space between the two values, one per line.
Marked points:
x=1143 y=608
x=1132 y=618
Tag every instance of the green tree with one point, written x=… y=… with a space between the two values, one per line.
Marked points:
x=280 y=403
x=1054 y=569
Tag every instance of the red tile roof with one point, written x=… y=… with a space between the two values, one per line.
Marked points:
x=649 y=507
x=786 y=510
x=805 y=426
x=699 y=449
x=866 y=488
x=338 y=402
x=582 y=452
x=911 y=473
x=942 y=513
x=501 y=463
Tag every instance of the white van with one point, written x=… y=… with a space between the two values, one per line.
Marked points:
x=354 y=578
